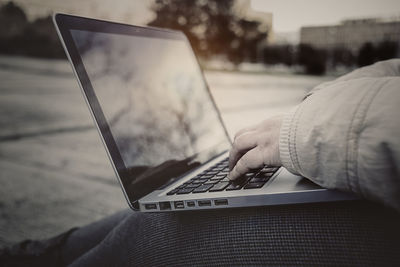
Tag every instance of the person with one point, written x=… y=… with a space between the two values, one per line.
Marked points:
x=344 y=135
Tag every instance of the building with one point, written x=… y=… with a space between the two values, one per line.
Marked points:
x=351 y=34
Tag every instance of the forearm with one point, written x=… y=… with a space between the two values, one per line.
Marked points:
x=346 y=137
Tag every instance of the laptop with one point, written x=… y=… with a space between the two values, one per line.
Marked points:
x=160 y=126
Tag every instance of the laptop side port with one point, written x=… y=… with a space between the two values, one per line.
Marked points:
x=203 y=203
x=151 y=206
x=220 y=202
x=190 y=204
x=165 y=205
x=178 y=205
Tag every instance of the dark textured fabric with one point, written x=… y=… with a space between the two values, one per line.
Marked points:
x=345 y=234
x=87 y=237
x=62 y=249
x=35 y=253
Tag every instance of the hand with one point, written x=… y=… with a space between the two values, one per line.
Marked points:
x=255 y=146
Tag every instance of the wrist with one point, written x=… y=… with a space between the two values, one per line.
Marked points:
x=287 y=141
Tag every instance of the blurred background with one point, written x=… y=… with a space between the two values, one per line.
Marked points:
x=259 y=58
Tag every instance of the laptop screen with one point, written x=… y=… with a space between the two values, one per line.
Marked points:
x=155 y=103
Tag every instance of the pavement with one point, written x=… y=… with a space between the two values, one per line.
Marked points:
x=54 y=171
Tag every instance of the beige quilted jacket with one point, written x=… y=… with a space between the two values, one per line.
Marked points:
x=346 y=134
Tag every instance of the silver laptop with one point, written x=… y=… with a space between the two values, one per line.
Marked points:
x=159 y=123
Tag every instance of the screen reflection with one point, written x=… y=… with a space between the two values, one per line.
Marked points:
x=155 y=102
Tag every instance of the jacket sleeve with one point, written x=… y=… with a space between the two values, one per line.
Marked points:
x=346 y=134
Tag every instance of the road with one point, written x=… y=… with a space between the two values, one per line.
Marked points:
x=54 y=172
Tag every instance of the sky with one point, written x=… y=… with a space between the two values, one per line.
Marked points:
x=128 y=11
x=290 y=15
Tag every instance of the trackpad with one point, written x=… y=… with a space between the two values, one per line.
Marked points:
x=286 y=181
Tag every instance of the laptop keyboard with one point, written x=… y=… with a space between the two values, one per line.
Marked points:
x=215 y=179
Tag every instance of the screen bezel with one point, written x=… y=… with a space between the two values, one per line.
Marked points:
x=64 y=24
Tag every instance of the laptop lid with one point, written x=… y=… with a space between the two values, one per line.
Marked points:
x=149 y=100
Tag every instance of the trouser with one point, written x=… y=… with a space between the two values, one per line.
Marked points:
x=355 y=233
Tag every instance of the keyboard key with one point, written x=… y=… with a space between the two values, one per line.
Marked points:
x=241 y=180
x=203 y=188
x=259 y=180
x=184 y=191
x=254 y=185
x=265 y=175
x=212 y=182
x=192 y=185
x=199 y=181
x=172 y=192
x=234 y=187
x=219 y=187
x=217 y=178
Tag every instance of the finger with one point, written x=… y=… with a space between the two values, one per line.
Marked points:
x=244 y=130
x=241 y=145
x=251 y=160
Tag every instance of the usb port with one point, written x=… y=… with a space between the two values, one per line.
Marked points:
x=190 y=204
x=178 y=205
x=151 y=206
x=203 y=203
x=220 y=202
x=165 y=205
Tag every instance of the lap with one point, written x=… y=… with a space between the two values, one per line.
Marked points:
x=347 y=233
